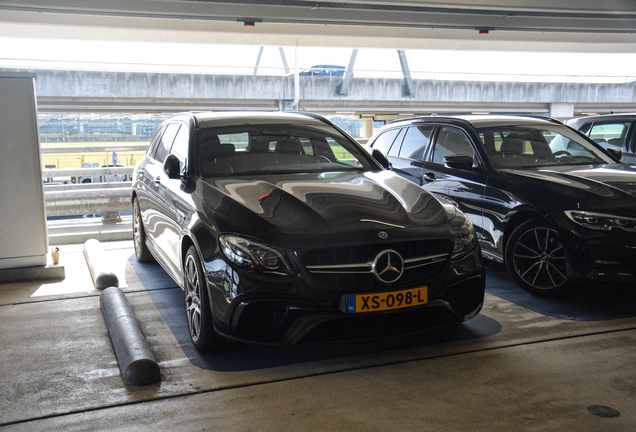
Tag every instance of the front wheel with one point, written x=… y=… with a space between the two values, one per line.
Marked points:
x=139 y=236
x=535 y=259
x=197 y=304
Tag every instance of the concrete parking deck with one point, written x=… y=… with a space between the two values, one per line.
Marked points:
x=523 y=364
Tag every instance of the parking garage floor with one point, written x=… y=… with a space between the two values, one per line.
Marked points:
x=523 y=364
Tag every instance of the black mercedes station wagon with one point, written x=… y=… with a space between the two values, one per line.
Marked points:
x=546 y=200
x=280 y=227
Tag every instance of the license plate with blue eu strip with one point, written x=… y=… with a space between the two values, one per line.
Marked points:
x=374 y=302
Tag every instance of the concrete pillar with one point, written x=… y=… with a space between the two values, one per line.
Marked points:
x=561 y=111
x=367 y=128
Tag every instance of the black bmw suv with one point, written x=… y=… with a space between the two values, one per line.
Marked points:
x=546 y=200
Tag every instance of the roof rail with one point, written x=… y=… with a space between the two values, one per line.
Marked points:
x=550 y=119
x=433 y=116
x=322 y=119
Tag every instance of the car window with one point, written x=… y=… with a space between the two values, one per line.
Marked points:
x=277 y=148
x=180 y=146
x=451 y=141
x=416 y=141
x=585 y=128
x=240 y=141
x=534 y=146
x=397 y=144
x=164 y=146
x=152 y=149
x=384 y=140
x=308 y=147
x=610 y=134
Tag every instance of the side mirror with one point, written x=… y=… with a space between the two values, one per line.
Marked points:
x=458 y=161
x=615 y=152
x=382 y=160
x=171 y=166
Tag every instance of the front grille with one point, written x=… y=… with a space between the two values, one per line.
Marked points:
x=351 y=267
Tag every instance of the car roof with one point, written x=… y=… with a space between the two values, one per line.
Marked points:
x=230 y=118
x=480 y=120
x=602 y=117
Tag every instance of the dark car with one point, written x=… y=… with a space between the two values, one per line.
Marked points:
x=280 y=227
x=611 y=130
x=546 y=200
x=324 y=71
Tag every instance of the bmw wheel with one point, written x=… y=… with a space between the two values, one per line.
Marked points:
x=139 y=236
x=535 y=258
x=197 y=304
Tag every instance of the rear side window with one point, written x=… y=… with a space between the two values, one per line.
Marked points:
x=180 y=146
x=163 y=149
x=397 y=144
x=152 y=149
x=415 y=142
x=384 y=141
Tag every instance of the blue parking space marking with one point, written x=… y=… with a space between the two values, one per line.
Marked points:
x=245 y=357
x=587 y=301
x=168 y=298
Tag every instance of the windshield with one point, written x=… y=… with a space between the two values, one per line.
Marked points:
x=271 y=148
x=537 y=146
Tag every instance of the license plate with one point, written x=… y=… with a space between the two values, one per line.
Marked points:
x=360 y=303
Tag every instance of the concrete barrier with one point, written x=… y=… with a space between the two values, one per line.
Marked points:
x=137 y=364
x=94 y=254
x=92 y=201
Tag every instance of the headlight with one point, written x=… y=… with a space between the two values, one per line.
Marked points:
x=600 y=221
x=254 y=256
x=465 y=239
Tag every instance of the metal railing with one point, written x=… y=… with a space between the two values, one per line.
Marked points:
x=88 y=198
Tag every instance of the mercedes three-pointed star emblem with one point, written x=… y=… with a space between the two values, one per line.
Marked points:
x=388 y=266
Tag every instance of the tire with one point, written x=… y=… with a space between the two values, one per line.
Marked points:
x=139 y=236
x=535 y=258
x=197 y=304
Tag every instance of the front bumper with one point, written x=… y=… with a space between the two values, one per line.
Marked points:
x=604 y=256
x=286 y=310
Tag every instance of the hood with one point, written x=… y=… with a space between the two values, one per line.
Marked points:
x=605 y=180
x=601 y=188
x=324 y=202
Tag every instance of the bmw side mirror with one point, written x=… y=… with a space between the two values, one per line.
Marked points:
x=382 y=160
x=459 y=162
x=615 y=152
x=171 y=166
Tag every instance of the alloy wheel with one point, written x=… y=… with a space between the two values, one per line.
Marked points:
x=539 y=258
x=193 y=298
x=136 y=227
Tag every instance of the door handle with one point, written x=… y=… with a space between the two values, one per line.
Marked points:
x=429 y=177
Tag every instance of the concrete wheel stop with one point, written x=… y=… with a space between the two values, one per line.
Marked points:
x=94 y=254
x=137 y=364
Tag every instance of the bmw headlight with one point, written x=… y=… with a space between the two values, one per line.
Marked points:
x=600 y=221
x=254 y=256
x=465 y=239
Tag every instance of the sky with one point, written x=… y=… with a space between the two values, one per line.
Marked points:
x=241 y=59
